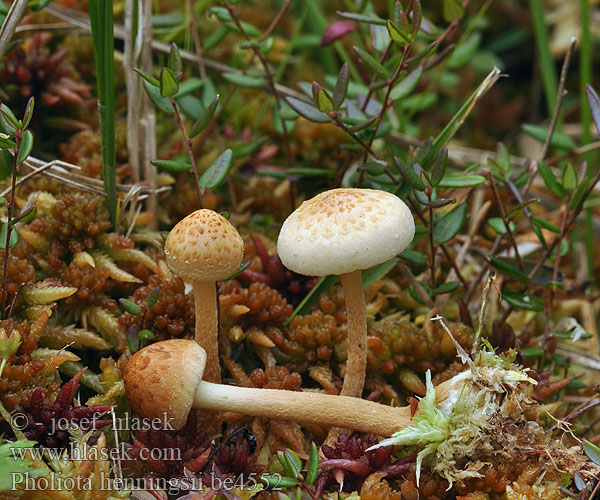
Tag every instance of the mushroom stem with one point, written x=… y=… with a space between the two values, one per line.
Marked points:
x=356 y=364
x=205 y=299
x=310 y=407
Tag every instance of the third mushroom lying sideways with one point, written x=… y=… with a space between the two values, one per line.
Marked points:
x=462 y=422
x=344 y=231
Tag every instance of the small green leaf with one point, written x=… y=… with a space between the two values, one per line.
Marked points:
x=169 y=86
x=544 y=224
x=287 y=467
x=508 y=269
x=145 y=336
x=10 y=117
x=439 y=168
x=359 y=18
x=37 y=5
x=558 y=140
x=370 y=62
x=204 y=118
x=592 y=451
x=294 y=461
x=578 y=194
x=448 y=287
x=310 y=172
x=550 y=180
x=172 y=165
x=324 y=284
x=341 y=86
x=325 y=104
x=250 y=82
x=523 y=301
x=593 y=104
x=453 y=10
x=463 y=181
x=278 y=481
x=503 y=157
x=152 y=297
x=363 y=125
x=25 y=216
x=162 y=103
x=406 y=86
x=532 y=352
x=417 y=17
x=28 y=113
x=2 y=201
x=307 y=111
x=25 y=146
x=174 y=60
x=266 y=45
x=313 y=465
x=569 y=179
x=414 y=257
x=373 y=274
x=216 y=174
x=497 y=224
x=245 y=264
x=152 y=80
x=396 y=34
x=14 y=237
x=449 y=225
x=6 y=142
x=410 y=176
x=130 y=307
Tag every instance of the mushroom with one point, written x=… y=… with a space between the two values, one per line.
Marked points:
x=202 y=249
x=344 y=231
x=163 y=382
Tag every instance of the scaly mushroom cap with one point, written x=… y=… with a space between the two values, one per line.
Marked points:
x=204 y=247
x=345 y=230
x=161 y=380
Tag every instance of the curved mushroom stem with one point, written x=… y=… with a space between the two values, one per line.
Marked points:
x=205 y=299
x=311 y=407
x=356 y=365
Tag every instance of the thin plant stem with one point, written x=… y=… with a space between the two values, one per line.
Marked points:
x=431 y=246
x=10 y=208
x=386 y=101
x=188 y=143
x=270 y=80
x=482 y=309
x=418 y=213
x=196 y=38
x=333 y=115
x=275 y=21
x=511 y=236
x=556 y=111
x=550 y=301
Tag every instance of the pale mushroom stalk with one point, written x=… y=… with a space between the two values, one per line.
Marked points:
x=164 y=381
x=207 y=327
x=356 y=364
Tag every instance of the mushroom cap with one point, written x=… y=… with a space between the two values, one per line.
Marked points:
x=161 y=380
x=204 y=247
x=345 y=230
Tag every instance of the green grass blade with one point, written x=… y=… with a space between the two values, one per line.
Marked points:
x=547 y=69
x=101 y=19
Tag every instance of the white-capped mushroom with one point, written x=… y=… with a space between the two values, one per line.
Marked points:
x=344 y=231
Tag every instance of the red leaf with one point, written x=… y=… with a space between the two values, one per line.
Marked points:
x=337 y=30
